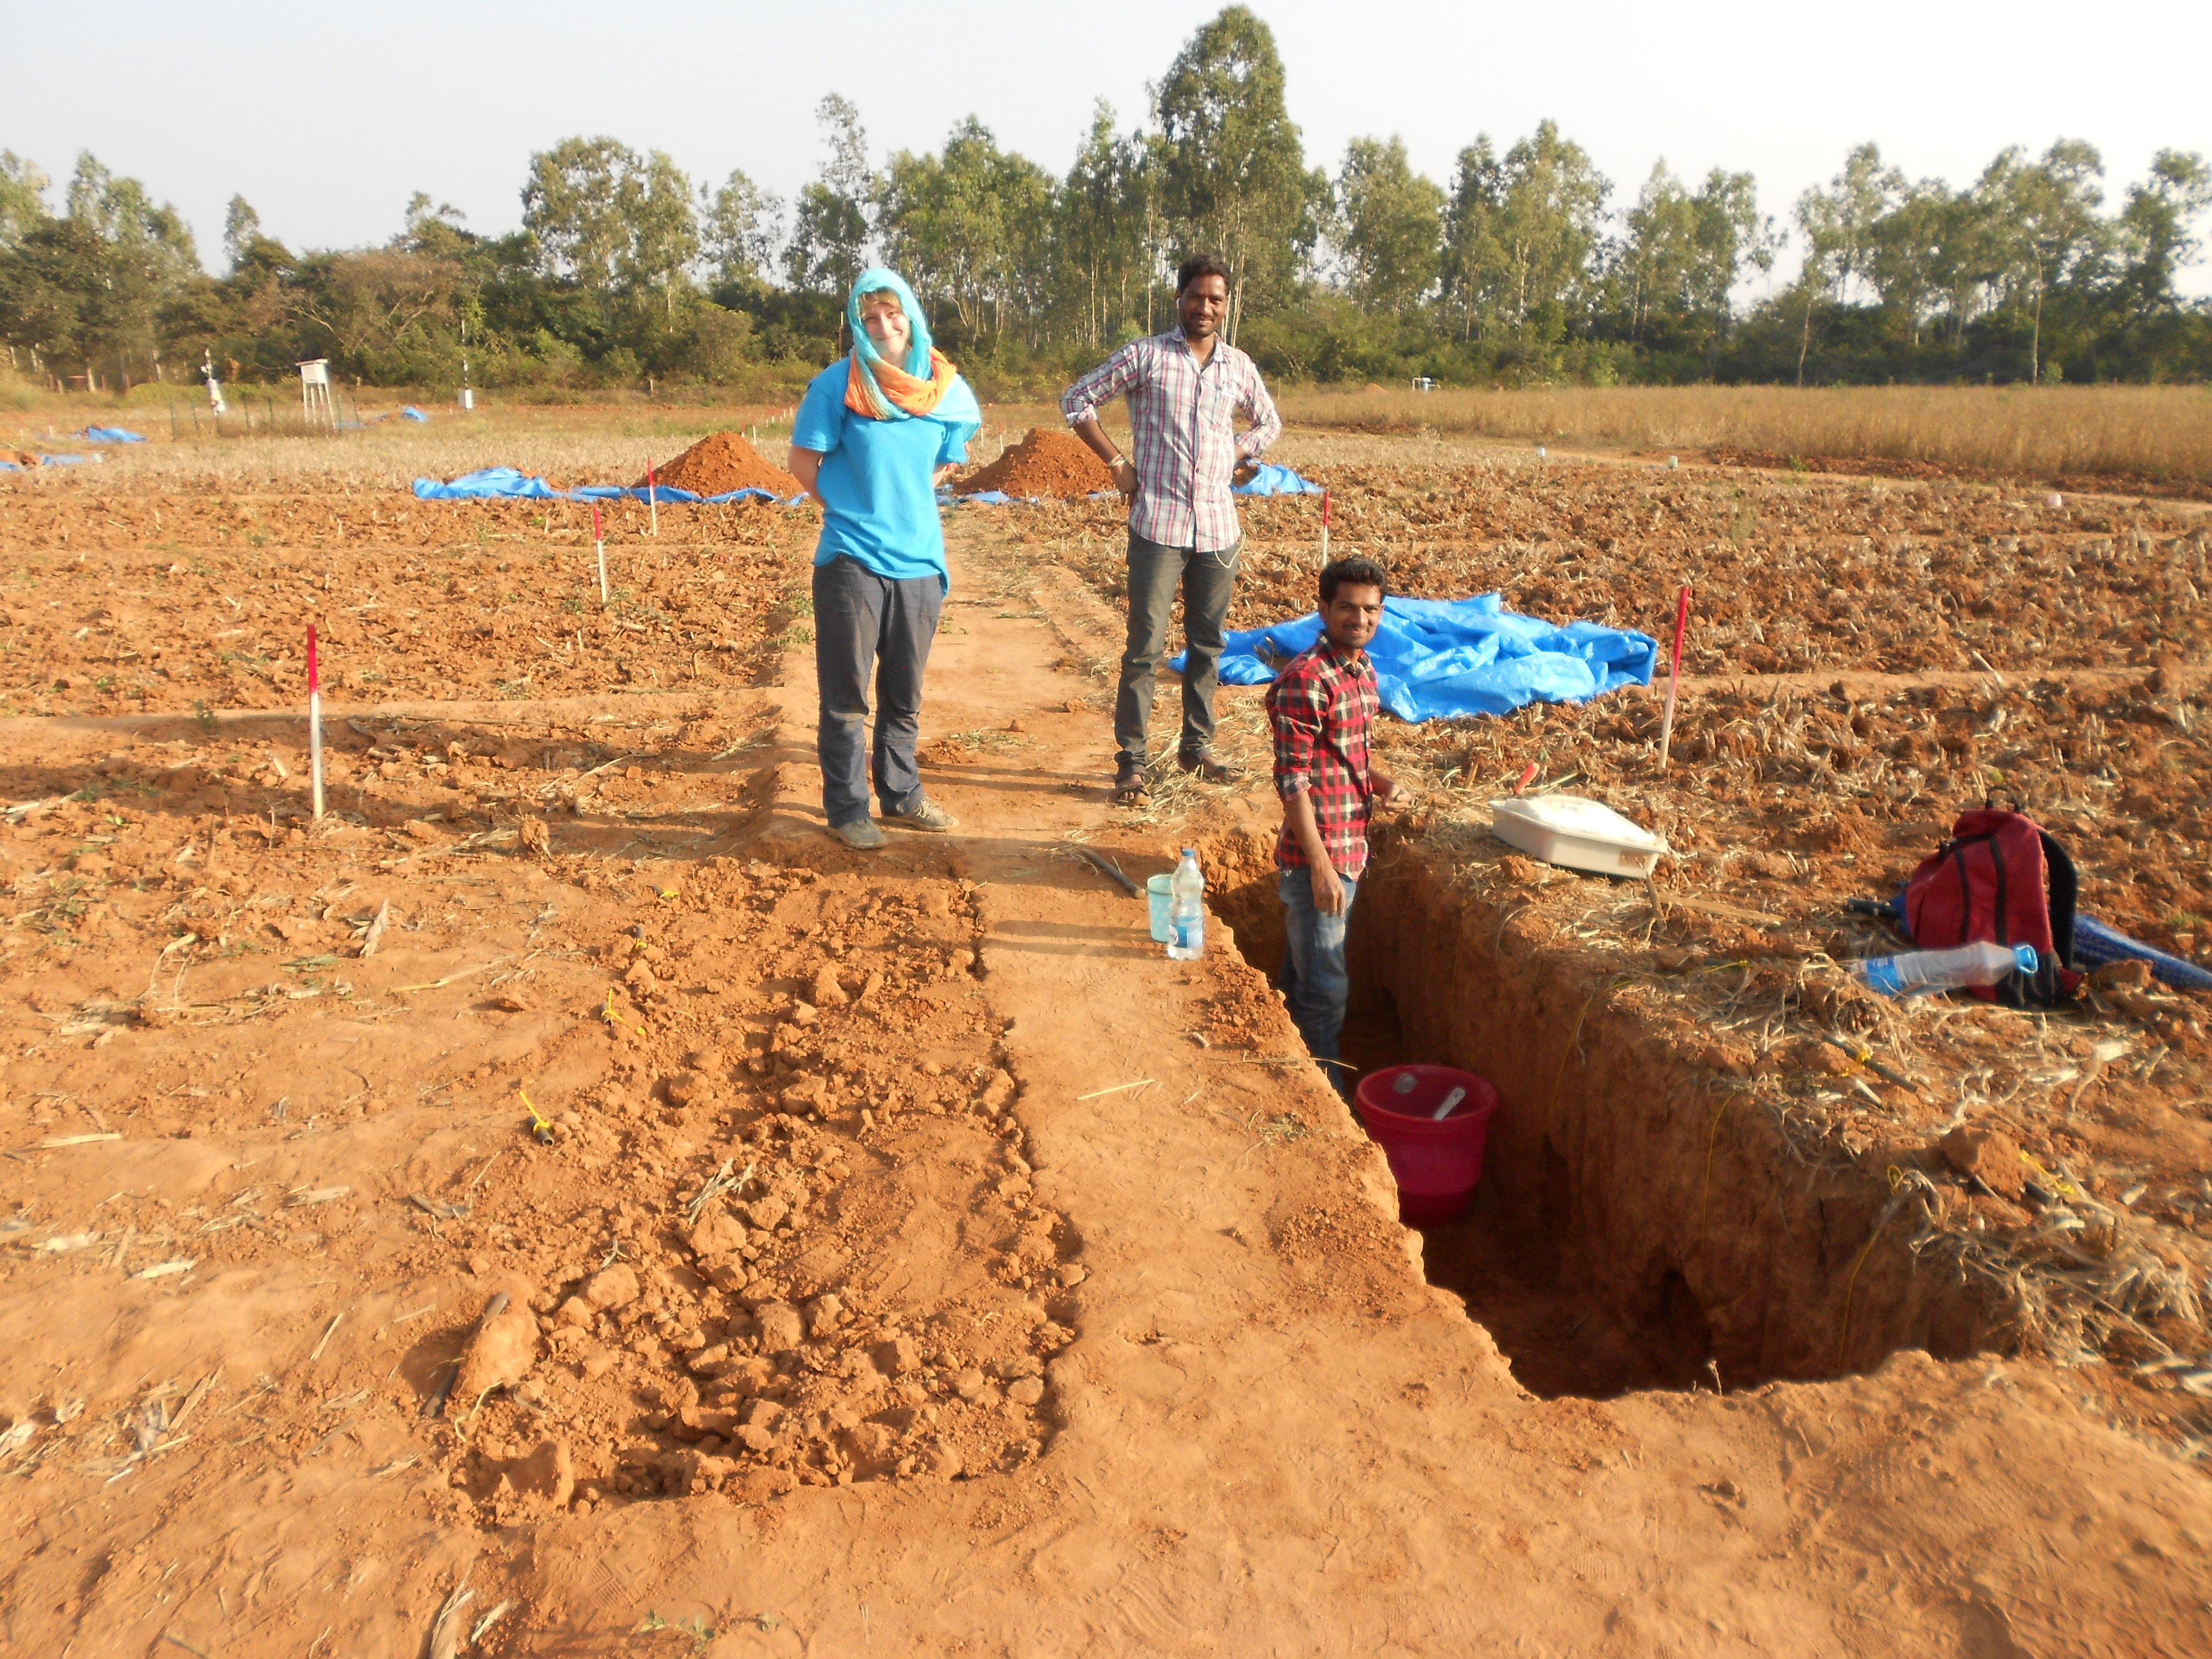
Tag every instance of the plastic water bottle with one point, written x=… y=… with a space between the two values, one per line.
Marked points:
x=1186 y=910
x=1919 y=973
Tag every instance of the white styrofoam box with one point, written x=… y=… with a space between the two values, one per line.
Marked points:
x=1578 y=832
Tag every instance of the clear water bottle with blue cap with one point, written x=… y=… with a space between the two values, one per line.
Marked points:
x=1186 y=910
x=1921 y=973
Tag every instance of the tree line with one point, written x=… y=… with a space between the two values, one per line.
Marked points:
x=1521 y=269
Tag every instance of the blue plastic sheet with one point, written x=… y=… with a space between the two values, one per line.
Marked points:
x=9 y=466
x=111 y=434
x=663 y=493
x=1270 y=480
x=411 y=413
x=67 y=460
x=486 y=483
x=506 y=482
x=1273 y=480
x=1437 y=658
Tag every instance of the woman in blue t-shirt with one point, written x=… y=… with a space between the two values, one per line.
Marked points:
x=876 y=434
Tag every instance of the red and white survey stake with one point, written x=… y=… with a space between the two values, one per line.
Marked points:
x=652 y=498
x=600 y=541
x=315 y=719
x=1674 y=679
x=1324 y=526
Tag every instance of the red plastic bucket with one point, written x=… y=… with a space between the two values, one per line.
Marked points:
x=1436 y=1162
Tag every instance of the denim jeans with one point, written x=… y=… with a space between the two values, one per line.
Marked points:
x=865 y=623
x=1207 y=580
x=1313 y=980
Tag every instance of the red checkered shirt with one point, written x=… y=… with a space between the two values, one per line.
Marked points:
x=1182 y=440
x=1322 y=706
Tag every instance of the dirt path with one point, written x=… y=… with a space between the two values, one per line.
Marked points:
x=1275 y=1439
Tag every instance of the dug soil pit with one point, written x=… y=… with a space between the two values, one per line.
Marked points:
x=1051 y=461
x=721 y=462
x=1692 y=1179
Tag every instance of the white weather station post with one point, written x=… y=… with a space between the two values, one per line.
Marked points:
x=315 y=406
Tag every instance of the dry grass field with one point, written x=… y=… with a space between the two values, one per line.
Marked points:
x=2162 y=433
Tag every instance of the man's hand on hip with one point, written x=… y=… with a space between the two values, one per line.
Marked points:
x=1247 y=470
x=1125 y=477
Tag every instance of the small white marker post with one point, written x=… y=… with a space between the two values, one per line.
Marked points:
x=1324 y=526
x=315 y=721
x=652 y=498
x=599 y=540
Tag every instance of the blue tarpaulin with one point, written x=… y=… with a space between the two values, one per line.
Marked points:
x=486 y=483
x=111 y=434
x=1268 y=481
x=67 y=460
x=411 y=413
x=663 y=493
x=495 y=482
x=1273 y=480
x=1435 y=659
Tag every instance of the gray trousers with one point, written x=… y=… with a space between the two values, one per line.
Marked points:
x=1207 y=580
x=865 y=623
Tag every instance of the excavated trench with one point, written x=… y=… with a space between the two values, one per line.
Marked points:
x=1641 y=1222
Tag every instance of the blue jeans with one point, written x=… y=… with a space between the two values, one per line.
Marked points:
x=1207 y=580
x=865 y=626
x=1313 y=980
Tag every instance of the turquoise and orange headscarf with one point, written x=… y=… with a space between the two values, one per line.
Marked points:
x=925 y=387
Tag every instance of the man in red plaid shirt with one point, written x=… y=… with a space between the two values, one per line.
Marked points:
x=1184 y=388
x=1322 y=707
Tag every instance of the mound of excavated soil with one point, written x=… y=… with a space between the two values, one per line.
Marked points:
x=1050 y=461
x=721 y=462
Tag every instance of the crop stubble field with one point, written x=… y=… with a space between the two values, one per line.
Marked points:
x=760 y=1067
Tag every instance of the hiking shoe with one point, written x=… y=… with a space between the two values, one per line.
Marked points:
x=928 y=816
x=1208 y=766
x=860 y=835
x=1128 y=783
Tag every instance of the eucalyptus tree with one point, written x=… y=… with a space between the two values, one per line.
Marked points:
x=968 y=225
x=1233 y=166
x=1101 y=251
x=833 y=222
x=1685 y=251
x=1388 y=225
x=611 y=221
x=741 y=228
x=2049 y=233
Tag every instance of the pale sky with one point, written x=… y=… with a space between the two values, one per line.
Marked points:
x=327 y=117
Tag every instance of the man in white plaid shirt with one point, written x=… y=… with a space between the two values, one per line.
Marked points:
x=1184 y=390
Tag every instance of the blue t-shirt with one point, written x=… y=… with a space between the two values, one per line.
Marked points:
x=878 y=481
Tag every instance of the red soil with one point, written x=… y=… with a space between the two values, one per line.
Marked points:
x=721 y=462
x=1050 y=461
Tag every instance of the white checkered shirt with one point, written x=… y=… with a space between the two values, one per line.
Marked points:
x=1183 y=442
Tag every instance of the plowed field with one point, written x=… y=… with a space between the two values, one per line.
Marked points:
x=564 y=1200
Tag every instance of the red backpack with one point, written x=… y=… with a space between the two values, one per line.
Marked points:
x=2000 y=876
